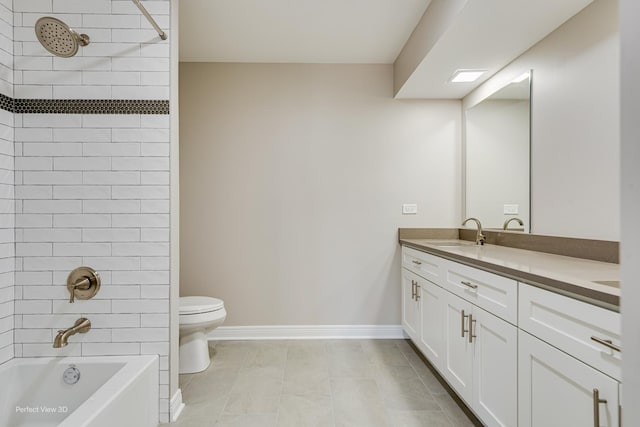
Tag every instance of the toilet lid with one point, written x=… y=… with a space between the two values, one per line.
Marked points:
x=194 y=305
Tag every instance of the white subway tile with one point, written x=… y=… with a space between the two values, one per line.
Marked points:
x=82 y=220
x=155 y=79
x=80 y=164
x=139 y=64
x=37 y=63
x=140 y=334
x=7 y=308
x=82 y=192
x=33 y=134
x=111 y=120
x=34 y=249
x=110 y=235
x=51 y=77
x=34 y=163
x=38 y=278
x=155 y=206
x=33 y=92
x=141 y=135
x=82 y=92
x=146 y=220
x=140 y=277
x=155 y=149
x=155 y=178
x=49 y=292
x=154 y=291
x=95 y=20
x=47 y=350
x=34 y=336
x=111 y=78
x=113 y=263
x=140 y=249
x=32 y=306
x=155 y=121
x=110 y=349
x=51 y=263
x=53 y=321
x=52 y=206
x=111 y=206
x=33 y=220
x=51 y=149
x=60 y=178
x=140 y=92
x=154 y=320
x=82 y=306
x=81 y=6
x=53 y=234
x=82 y=64
x=81 y=249
x=52 y=120
x=33 y=192
x=154 y=235
x=141 y=192
x=119 y=320
x=81 y=135
x=119 y=292
x=133 y=35
x=140 y=306
x=111 y=178
x=111 y=149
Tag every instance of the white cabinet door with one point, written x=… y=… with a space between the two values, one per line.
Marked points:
x=556 y=390
x=432 y=322
x=458 y=361
x=410 y=307
x=495 y=370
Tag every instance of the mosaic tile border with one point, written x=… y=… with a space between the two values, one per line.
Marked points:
x=84 y=106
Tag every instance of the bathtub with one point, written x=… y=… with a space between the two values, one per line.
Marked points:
x=110 y=391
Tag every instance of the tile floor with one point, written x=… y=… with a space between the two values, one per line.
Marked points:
x=317 y=383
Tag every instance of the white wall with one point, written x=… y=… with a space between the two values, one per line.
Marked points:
x=575 y=125
x=497 y=161
x=630 y=245
x=7 y=249
x=93 y=189
x=292 y=182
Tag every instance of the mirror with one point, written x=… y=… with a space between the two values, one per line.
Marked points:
x=497 y=157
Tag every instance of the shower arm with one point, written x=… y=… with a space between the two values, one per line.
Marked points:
x=152 y=21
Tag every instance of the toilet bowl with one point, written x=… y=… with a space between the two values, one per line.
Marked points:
x=198 y=316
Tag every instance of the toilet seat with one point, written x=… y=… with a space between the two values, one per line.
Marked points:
x=199 y=305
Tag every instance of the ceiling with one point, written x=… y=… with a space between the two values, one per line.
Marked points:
x=452 y=34
x=297 y=31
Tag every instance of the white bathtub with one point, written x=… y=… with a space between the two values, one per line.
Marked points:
x=111 y=391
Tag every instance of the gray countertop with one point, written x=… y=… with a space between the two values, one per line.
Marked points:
x=575 y=277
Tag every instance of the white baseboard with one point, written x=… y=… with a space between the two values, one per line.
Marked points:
x=307 y=332
x=176 y=406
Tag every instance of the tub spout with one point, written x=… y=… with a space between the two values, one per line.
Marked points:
x=82 y=326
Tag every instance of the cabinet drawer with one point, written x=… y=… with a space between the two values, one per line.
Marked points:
x=421 y=263
x=496 y=294
x=569 y=324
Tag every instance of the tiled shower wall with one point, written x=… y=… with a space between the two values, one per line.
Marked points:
x=7 y=249
x=93 y=189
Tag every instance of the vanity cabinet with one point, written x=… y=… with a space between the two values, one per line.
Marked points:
x=517 y=354
x=558 y=390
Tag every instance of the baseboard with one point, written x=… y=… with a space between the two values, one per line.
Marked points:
x=307 y=332
x=176 y=406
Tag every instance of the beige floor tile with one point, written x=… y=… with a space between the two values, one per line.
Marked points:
x=247 y=420
x=254 y=395
x=452 y=410
x=434 y=418
x=307 y=410
x=357 y=402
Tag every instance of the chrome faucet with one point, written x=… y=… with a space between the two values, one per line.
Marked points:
x=506 y=223
x=82 y=326
x=480 y=239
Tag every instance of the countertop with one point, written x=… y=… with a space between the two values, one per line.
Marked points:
x=575 y=277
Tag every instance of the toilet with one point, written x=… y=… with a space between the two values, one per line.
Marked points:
x=198 y=316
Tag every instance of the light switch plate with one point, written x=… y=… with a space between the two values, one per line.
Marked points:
x=409 y=209
x=511 y=209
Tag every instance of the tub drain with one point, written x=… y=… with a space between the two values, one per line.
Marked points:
x=71 y=375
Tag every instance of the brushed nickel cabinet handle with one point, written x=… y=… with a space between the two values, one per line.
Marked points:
x=469 y=284
x=417 y=294
x=471 y=333
x=462 y=329
x=416 y=262
x=596 y=407
x=413 y=289
x=608 y=344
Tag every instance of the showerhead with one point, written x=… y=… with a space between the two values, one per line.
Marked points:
x=58 y=38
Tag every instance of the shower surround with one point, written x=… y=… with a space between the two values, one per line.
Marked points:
x=89 y=184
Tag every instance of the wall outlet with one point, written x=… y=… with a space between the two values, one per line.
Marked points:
x=511 y=209
x=409 y=209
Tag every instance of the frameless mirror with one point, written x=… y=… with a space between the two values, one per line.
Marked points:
x=496 y=156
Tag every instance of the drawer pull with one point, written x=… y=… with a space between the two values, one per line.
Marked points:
x=417 y=294
x=413 y=290
x=607 y=343
x=596 y=407
x=416 y=262
x=469 y=284
x=462 y=329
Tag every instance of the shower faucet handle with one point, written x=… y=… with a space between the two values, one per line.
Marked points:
x=83 y=283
